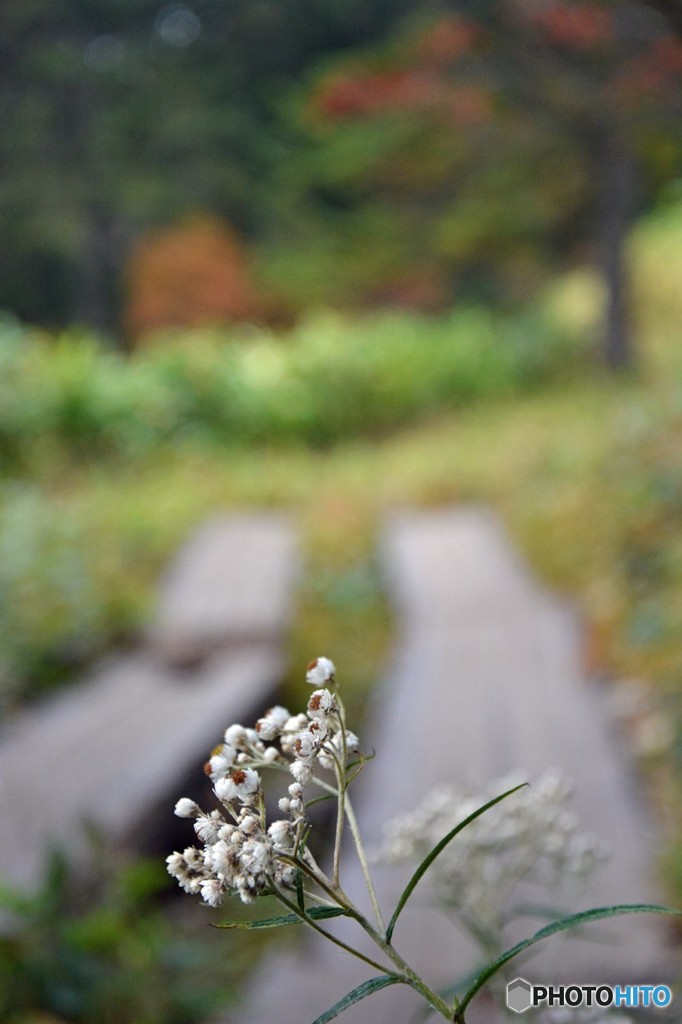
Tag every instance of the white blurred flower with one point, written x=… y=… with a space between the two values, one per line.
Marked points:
x=529 y=836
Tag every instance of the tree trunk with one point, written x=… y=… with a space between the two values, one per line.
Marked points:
x=98 y=268
x=616 y=170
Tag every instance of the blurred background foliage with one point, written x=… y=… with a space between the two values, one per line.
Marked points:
x=337 y=258
x=274 y=156
x=104 y=949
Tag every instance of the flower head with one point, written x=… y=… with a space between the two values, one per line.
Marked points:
x=320 y=672
x=242 y=854
x=239 y=784
x=321 y=704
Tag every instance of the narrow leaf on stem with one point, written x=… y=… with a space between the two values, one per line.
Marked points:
x=366 y=989
x=573 y=920
x=316 y=913
x=438 y=848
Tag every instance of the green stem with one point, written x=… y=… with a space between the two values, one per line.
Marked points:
x=340 y=818
x=362 y=857
x=407 y=974
x=340 y=769
x=412 y=978
x=332 y=938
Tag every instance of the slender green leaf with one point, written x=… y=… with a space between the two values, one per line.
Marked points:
x=584 y=917
x=320 y=799
x=438 y=848
x=536 y=910
x=316 y=913
x=366 y=989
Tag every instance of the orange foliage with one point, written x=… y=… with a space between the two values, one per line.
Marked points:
x=190 y=275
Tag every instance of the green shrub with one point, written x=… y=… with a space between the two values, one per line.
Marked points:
x=101 y=950
x=330 y=379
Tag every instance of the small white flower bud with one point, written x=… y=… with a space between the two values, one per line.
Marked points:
x=249 y=822
x=295 y=723
x=301 y=772
x=279 y=715
x=270 y=755
x=240 y=783
x=320 y=671
x=321 y=704
x=207 y=827
x=186 y=808
x=306 y=745
x=267 y=729
x=235 y=736
x=225 y=790
x=212 y=892
x=280 y=832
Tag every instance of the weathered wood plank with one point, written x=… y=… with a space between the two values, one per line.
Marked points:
x=229 y=584
x=107 y=751
x=486 y=679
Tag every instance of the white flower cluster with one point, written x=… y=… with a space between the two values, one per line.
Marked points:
x=530 y=836
x=241 y=853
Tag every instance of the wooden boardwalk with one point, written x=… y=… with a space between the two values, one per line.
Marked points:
x=487 y=679
x=116 y=748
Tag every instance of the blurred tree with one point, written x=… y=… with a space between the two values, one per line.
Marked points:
x=458 y=158
x=120 y=115
x=191 y=275
x=502 y=135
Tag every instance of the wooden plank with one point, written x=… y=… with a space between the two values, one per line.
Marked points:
x=229 y=584
x=486 y=680
x=110 y=749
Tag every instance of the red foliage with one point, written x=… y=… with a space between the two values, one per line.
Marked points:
x=188 y=276
x=574 y=25
x=361 y=93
